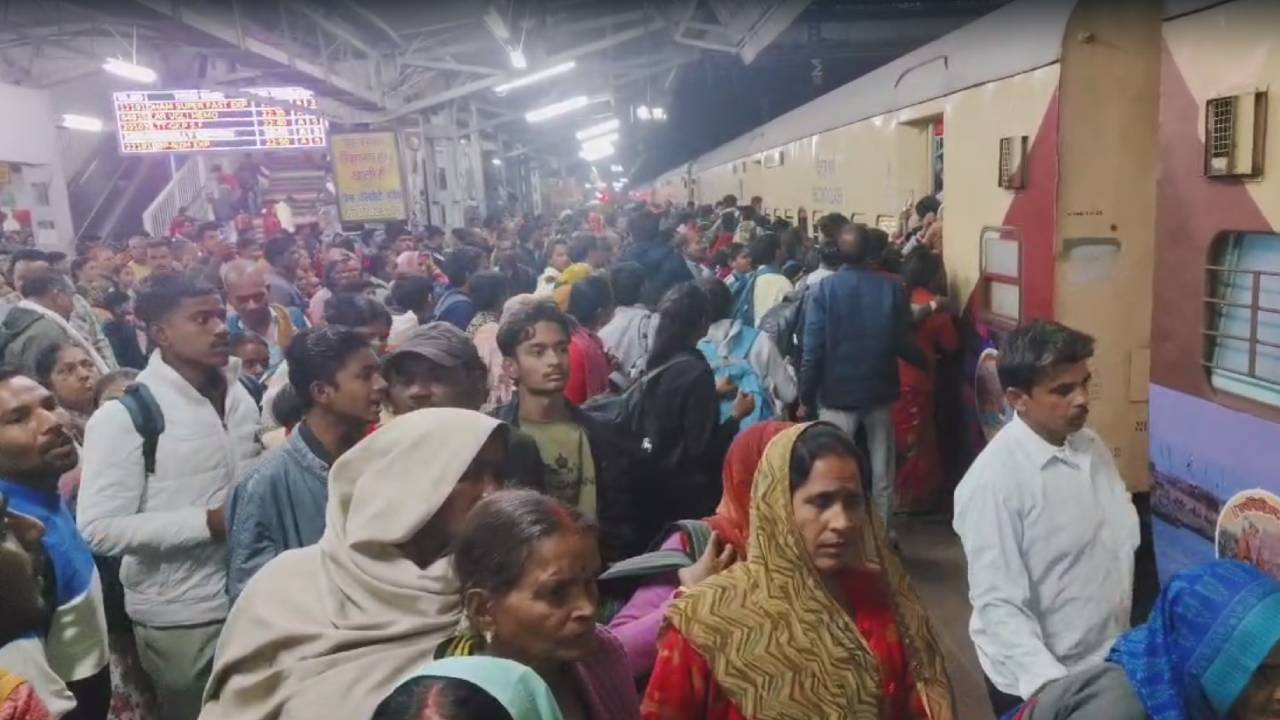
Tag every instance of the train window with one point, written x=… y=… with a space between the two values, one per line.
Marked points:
x=936 y=137
x=1013 y=153
x=1242 y=337
x=1001 y=275
x=1234 y=129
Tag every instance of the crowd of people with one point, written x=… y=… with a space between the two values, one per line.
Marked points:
x=637 y=462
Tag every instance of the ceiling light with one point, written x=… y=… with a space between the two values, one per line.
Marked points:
x=534 y=77
x=518 y=60
x=555 y=109
x=126 y=69
x=659 y=113
x=643 y=113
x=600 y=142
x=600 y=129
x=81 y=122
x=615 y=168
x=496 y=161
x=596 y=153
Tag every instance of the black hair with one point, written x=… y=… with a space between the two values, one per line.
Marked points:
x=920 y=268
x=128 y=375
x=792 y=244
x=730 y=201
x=78 y=265
x=818 y=441
x=412 y=293
x=1031 y=352
x=830 y=225
x=26 y=255
x=239 y=340
x=353 y=310
x=445 y=698
x=829 y=252
x=764 y=249
x=627 y=281
x=719 y=299
x=159 y=242
x=499 y=534
x=927 y=204
x=747 y=213
x=287 y=407
x=316 y=355
x=682 y=320
x=431 y=231
x=581 y=245
x=205 y=227
x=589 y=298
x=489 y=290
x=519 y=327
x=278 y=247
x=644 y=226
x=113 y=300
x=43 y=284
x=165 y=294
x=47 y=361
x=460 y=264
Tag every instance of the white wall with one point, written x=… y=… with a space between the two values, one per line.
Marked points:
x=29 y=136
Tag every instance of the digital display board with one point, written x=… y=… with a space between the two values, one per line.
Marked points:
x=154 y=121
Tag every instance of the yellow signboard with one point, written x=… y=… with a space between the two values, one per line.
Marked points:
x=366 y=171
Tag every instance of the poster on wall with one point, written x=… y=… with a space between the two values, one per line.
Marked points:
x=366 y=172
x=1249 y=530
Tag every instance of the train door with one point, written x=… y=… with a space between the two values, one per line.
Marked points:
x=936 y=135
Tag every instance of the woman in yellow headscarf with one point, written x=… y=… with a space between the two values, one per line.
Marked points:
x=819 y=622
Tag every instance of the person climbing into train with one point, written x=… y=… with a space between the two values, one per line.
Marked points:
x=1050 y=595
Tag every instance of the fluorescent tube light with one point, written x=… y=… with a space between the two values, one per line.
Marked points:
x=81 y=122
x=607 y=126
x=556 y=109
x=132 y=71
x=534 y=77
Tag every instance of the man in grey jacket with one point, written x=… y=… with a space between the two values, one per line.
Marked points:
x=280 y=503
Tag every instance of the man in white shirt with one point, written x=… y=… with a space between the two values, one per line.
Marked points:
x=169 y=526
x=1048 y=527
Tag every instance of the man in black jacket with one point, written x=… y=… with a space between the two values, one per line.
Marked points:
x=664 y=267
x=579 y=455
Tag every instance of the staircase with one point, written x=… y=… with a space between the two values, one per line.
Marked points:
x=298 y=174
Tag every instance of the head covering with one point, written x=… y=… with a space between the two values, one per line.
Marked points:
x=329 y=630
x=523 y=692
x=407 y=263
x=575 y=273
x=1210 y=629
x=731 y=519
x=440 y=342
x=779 y=644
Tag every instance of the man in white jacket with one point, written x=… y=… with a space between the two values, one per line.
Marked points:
x=169 y=526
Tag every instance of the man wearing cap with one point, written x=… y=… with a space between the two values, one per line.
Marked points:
x=436 y=366
x=280 y=502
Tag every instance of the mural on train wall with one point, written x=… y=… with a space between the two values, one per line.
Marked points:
x=1203 y=456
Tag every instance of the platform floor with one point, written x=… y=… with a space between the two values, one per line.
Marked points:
x=933 y=556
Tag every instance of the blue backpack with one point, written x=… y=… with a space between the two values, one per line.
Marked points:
x=733 y=364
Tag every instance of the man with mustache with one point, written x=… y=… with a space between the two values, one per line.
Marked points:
x=246 y=286
x=70 y=637
x=1048 y=527
x=169 y=526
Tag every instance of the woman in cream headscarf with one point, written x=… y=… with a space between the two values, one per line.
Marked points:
x=327 y=631
x=818 y=622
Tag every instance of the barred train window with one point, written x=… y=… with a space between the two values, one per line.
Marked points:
x=1242 y=339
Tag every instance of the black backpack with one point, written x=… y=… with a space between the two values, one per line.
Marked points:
x=624 y=411
x=148 y=421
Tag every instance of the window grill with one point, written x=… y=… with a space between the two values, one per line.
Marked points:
x=1222 y=113
x=1013 y=154
x=1242 y=334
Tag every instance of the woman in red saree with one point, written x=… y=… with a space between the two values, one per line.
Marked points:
x=818 y=622
x=918 y=486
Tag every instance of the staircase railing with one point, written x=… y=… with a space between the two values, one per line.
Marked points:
x=185 y=190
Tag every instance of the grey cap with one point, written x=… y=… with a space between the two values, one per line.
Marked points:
x=441 y=343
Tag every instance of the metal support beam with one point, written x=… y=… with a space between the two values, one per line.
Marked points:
x=332 y=26
x=224 y=31
x=488 y=82
x=448 y=65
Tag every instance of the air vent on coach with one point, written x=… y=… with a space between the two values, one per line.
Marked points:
x=1235 y=128
x=1013 y=155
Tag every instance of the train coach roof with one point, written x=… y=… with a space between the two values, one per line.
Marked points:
x=1021 y=36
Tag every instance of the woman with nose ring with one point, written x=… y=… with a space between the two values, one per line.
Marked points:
x=818 y=622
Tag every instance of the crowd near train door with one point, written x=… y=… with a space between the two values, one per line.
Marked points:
x=936 y=135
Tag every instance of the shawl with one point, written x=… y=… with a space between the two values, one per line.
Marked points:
x=329 y=630
x=731 y=519
x=781 y=647
x=1210 y=629
x=520 y=690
